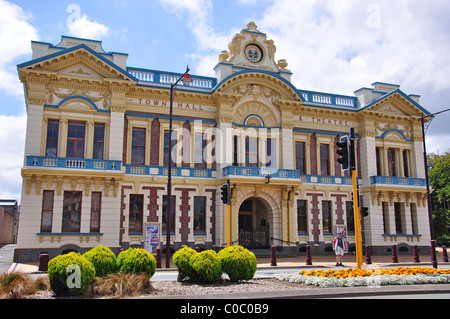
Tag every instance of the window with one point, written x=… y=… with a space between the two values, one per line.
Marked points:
x=75 y=140
x=235 y=151
x=414 y=223
x=136 y=213
x=199 y=148
x=398 y=218
x=378 y=152
x=301 y=216
x=326 y=216
x=47 y=212
x=96 y=204
x=251 y=152
x=350 y=216
x=172 y=215
x=324 y=159
x=138 y=146
x=71 y=212
x=385 y=211
x=99 y=141
x=405 y=163
x=199 y=214
x=271 y=153
x=391 y=162
x=300 y=157
x=51 y=148
x=173 y=154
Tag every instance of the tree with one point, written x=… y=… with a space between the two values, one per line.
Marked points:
x=439 y=174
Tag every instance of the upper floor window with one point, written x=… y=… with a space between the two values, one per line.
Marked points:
x=391 y=162
x=271 y=152
x=167 y=154
x=300 y=158
x=51 y=148
x=99 y=141
x=76 y=139
x=138 y=146
x=199 y=148
x=251 y=152
x=324 y=159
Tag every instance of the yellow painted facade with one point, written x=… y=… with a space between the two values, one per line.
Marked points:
x=95 y=168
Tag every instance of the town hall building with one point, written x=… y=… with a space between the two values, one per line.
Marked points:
x=97 y=154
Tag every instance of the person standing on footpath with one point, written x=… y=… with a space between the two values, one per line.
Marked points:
x=339 y=247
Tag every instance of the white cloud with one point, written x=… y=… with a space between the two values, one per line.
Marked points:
x=342 y=45
x=200 y=16
x=12 y=141
x=437 y=144
x=16 y=34
x=84 y=28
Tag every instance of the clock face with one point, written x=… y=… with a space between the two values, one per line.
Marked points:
x=253 y=53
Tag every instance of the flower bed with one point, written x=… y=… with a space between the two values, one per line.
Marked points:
x=369 y=277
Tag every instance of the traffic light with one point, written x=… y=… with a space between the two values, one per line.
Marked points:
x=225 y=194
x=365 y=211
x=344 y=152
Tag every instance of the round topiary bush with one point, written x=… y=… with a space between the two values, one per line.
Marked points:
x=181 y=260
x=136 y=260
x=207 y=266
x=70 y=274
x=103 y=259
x=238 y=263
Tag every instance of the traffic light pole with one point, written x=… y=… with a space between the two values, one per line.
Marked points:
x=356 y=214
x=229 y=225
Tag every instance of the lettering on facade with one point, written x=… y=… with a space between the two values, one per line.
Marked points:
x=326 y=121
x=185 y=106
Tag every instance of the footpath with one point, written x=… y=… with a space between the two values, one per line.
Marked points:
x=296 y=264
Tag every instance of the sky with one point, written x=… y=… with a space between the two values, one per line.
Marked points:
x=334 y=46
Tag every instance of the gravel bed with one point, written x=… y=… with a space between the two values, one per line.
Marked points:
x=174 y=288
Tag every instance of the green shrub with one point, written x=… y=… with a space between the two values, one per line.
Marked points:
x=238 y=263
x=70 y=274
x=136 y=260
x=207 y=266
x=181 y=260
x=103 y=259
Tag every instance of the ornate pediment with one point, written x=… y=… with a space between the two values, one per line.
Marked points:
x=396 y=104
x=77 y=63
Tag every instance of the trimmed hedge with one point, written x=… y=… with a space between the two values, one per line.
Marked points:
x=103 y=259
x=70 y=274
x=136 y=260
x=181 y=259
x=207 y=266
x=238 y=263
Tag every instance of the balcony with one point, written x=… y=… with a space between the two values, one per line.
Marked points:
x=286 y=174
x=73 y=163
x=163 y=171
x=397 y=181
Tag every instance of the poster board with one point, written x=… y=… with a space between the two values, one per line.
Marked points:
x=152 y=237
x=343 y=230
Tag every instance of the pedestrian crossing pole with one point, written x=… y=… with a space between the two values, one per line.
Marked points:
x=356 y=212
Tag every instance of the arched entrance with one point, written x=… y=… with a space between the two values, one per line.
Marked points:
x=253 y=224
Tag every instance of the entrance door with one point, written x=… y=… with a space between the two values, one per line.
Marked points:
x=253 y=224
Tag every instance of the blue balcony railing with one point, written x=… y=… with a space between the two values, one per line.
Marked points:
x=284 y=173
x=75 y=163
x=164 y=171
x=391 y=180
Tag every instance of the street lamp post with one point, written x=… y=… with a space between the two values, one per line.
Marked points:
x=187 y=80
x=429 y=204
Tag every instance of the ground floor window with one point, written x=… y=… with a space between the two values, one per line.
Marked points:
x=96 y=203
x=47 y=212
x=136 y=213
x=71 y=212
x=326 y=216
x=301 y=216
x=172 y=214
x=199 y=214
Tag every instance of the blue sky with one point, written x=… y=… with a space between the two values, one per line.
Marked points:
x=335 y=46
